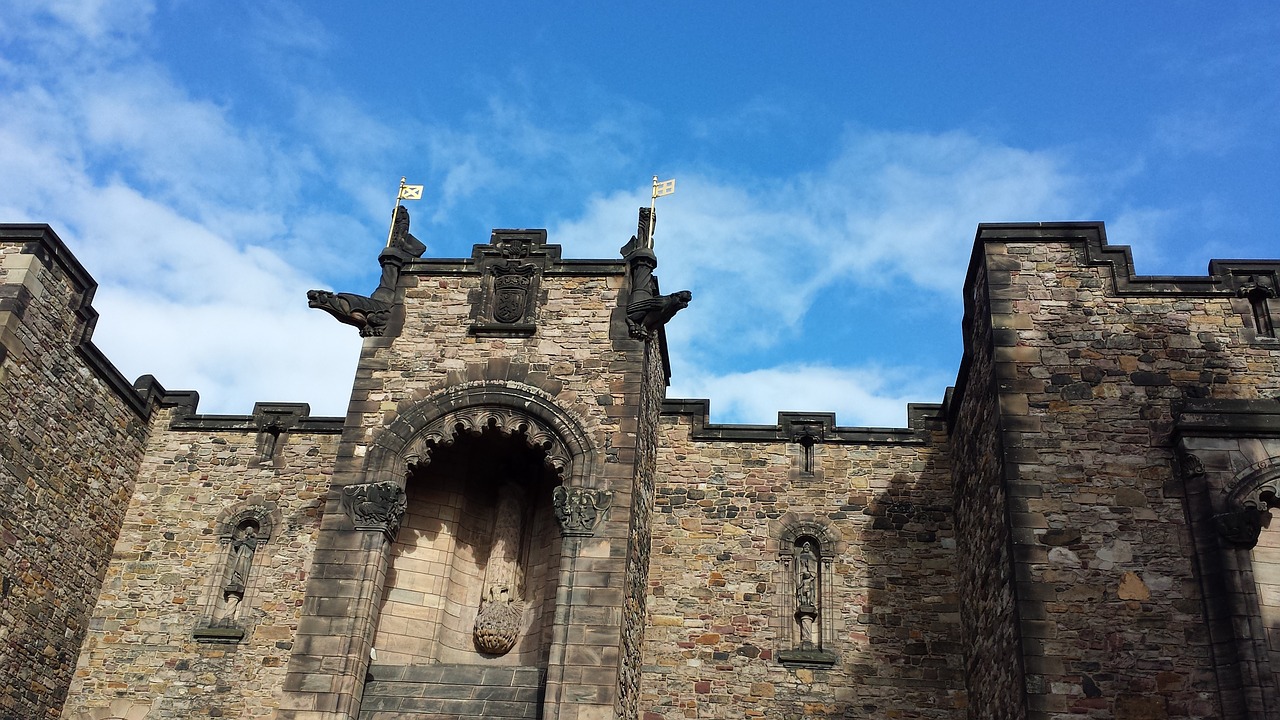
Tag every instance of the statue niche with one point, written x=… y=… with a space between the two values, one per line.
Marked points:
x=476 y=561
x=807 y=566
x=228 y=610
x=372 y=314
x=244 y=543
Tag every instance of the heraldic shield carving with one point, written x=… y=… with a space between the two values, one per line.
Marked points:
x=511 y=292
x=511 y=266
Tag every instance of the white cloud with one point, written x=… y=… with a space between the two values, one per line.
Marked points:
x=204 y=234
x=888 y=208
x=862 y=396
x=179 y=230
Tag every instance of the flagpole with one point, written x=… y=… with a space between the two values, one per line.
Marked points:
x=660 y=189
x=391 y=231
x=653 y=202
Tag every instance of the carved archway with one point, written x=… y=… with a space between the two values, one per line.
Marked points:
x=474 y=569
x=513 y=410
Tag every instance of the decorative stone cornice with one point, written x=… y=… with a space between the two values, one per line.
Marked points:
x=579 y=509
x=375 y=506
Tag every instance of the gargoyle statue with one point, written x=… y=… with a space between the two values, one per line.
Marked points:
x=647 y=309
x=371 y=314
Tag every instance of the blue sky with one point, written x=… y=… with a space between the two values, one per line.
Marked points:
x=210 y=162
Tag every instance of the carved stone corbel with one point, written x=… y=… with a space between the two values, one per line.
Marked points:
x=1240 y=527
x=579 y=509
x=1190 y=466
x=375 y=506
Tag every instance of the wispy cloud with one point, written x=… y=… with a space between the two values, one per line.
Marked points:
x=205 y=229
x=888 y=209
x=174 y=208
x=863 y=396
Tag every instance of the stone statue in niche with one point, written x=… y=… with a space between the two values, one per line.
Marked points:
x=268 y=439
x=372 y=314
x=244 y=543
x=808 y=569
x=647 y=310
x=497 y=625
x=1257 y=289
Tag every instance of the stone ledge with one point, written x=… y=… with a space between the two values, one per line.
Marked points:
x=808 y=658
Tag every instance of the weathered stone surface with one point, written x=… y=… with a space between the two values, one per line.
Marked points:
x=69 y=453
x=1065 y=538
x=159 y=588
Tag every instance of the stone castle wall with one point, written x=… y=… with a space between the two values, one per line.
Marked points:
x=1037 y=547
x=721 y=601
x=69 y=451
x=988 y=601
x=163 y=585
x=640 y=541
x=580 y=362
x=1091 y=363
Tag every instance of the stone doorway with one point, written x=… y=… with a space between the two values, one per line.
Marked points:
x=468 y=607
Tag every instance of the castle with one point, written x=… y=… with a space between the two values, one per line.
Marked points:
x=513 y=521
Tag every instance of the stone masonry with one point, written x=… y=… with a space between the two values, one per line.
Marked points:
x=68 y=461
x=513 y=521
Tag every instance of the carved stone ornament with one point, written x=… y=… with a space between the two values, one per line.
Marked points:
x=444 y=431
x=372 y=314
x=498 y=623
x=375 y=506
x=579 y=509
x=511 y=267
x=1190 y=465
x=511 y=286
x=647 y=309
x=1240 y=527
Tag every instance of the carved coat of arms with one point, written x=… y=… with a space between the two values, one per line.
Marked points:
x=511 y=285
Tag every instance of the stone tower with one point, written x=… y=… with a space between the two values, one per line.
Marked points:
x=484 y=546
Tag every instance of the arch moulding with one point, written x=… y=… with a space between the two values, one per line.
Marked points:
x=513 y=410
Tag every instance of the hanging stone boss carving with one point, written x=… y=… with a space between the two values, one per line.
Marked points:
x=498 y=623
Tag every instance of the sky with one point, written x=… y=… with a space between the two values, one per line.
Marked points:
x=211 y=162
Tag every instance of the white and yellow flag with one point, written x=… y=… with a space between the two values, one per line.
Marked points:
x=666 y=187
x=410 y=192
